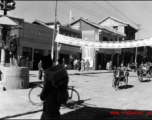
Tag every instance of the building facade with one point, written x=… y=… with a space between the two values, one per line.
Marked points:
x=68 y=52
x=35 y=41
x=128 y=54
x=100 y=33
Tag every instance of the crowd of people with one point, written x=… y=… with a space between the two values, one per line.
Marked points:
x=81 y=64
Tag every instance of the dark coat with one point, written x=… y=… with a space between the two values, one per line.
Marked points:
x=49 y=93
x=12 y=45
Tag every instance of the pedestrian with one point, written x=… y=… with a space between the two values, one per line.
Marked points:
x=110 y=65
x=87 y=64
x=82 y=65
x=99 y=67
x=63 y=63
x=40 y=70
x=107 y=65
x=53 y=94
x=27 y=62
x=71 y=62
x=79 y=65
x=75 y=64
x=13 y=50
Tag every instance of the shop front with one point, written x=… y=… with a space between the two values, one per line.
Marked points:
x=106 y=55
x=69 y=53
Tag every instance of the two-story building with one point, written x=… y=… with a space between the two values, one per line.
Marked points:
x=68 y=52
x=128 y=54
x=35 y=41
x=100 y=33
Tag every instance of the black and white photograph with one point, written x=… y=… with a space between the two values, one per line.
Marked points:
x=75 y=60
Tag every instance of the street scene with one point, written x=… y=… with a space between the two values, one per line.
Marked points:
x=75 y=59
x=98 y=99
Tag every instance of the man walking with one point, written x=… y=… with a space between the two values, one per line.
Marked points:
x=87 y=64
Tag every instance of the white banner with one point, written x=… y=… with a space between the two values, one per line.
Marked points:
x=114 y=45
x=88 y=53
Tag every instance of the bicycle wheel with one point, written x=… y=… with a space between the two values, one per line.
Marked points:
x=73 y=100
x=34 y=95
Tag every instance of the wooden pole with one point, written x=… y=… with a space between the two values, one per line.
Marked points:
x=137 y=47
x=4 y=34
x=52 y=51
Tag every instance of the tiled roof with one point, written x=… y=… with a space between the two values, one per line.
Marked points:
x=100 y=27
x=10 y=15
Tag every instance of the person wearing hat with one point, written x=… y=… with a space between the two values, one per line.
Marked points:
x=12 y=46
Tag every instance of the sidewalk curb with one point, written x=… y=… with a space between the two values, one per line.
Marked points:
x=87 y=73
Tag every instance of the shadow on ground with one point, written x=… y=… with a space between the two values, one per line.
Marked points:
x=96 y=113
x=146 y=81
x=127 y=87
x=17 y=115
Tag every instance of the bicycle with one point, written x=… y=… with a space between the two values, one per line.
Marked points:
x=73 y=100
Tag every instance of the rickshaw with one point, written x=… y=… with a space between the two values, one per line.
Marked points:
x=120 y=81
x=144 y=72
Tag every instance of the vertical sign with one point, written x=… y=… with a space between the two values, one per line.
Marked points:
x=88 y=52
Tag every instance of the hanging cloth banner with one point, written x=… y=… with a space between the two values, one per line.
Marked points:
x=113 y=45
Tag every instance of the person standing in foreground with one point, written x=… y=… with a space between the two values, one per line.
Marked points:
x=55 y=88
x=40 y=70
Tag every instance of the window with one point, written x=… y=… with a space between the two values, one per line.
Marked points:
x=115 y=27
x=105 y=39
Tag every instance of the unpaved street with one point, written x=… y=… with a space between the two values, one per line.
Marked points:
x=98 y=99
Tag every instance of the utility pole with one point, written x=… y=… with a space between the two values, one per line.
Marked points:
x=137 y=47
x=4 y=34
x=54 y=32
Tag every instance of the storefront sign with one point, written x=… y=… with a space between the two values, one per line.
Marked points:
x=111 y=51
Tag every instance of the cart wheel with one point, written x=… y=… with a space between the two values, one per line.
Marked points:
x=113 y=82
x=140 y=78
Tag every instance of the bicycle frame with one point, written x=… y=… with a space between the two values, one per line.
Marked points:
x=70 y=95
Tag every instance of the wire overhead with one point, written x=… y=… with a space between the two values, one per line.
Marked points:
x=126 y=17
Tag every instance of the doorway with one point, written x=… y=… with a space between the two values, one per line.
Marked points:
x=37 y=57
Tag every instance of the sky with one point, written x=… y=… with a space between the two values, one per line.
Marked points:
x=133 y=12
